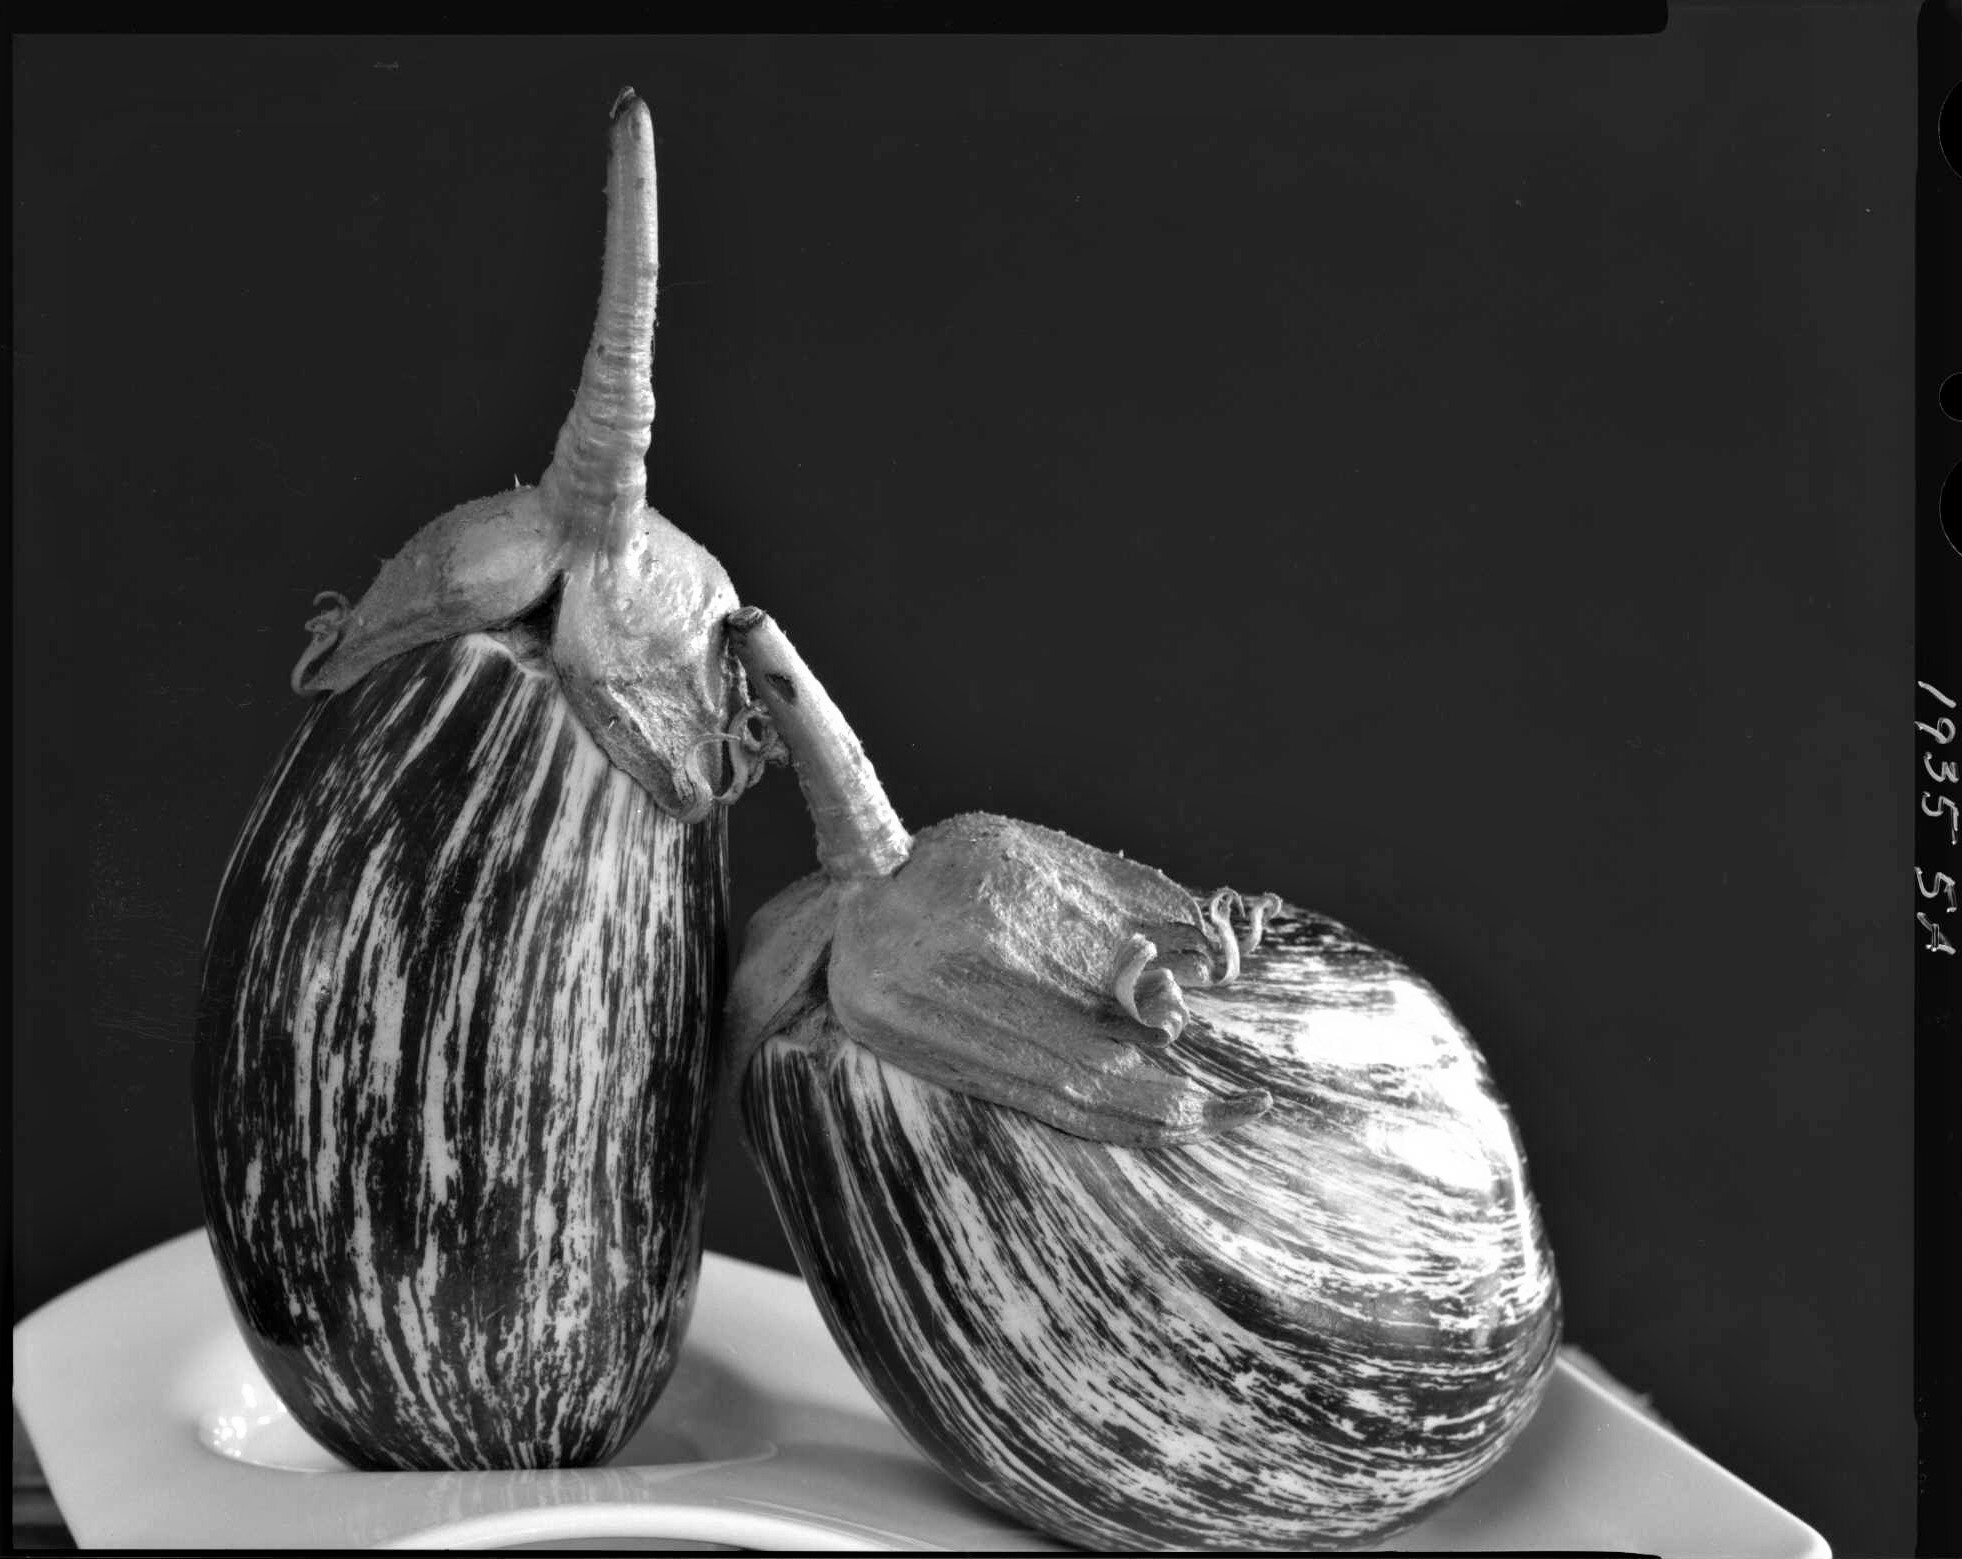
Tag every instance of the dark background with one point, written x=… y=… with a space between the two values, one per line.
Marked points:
x=1463 y=484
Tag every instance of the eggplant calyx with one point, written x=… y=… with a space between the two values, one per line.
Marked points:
x=1022 y=966
x=1002 y=960
x=637 y=638
x=779 y=980
x=478 y=566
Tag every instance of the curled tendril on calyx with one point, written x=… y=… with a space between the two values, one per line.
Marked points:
x=753 y=745
x=750 y=731
x=1216 y=925
x=326 y=628
x=1257 y=915
x=1150 y=996
x=1154 y=999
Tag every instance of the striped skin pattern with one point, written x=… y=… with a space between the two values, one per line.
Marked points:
x=454 y=1066
x=1306 y=1331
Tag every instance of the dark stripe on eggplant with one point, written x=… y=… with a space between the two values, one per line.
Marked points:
x=1306 y=1332
x=453 y=1072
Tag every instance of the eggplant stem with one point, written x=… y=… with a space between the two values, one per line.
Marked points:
x=859 y=835
x=596 y=484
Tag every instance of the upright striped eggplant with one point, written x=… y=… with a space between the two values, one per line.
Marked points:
x=1154 y=1219
x=456 y=1033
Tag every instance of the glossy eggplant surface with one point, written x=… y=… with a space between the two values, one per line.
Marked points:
x=454 y=1067
x=1304 y=1330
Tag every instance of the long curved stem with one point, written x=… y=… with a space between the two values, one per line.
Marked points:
x=596 y=484
x=858 y=833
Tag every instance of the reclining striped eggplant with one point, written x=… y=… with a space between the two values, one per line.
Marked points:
x=456 y=1031
x=1155 y=1219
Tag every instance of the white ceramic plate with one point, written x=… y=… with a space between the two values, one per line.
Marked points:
x=156 y=1430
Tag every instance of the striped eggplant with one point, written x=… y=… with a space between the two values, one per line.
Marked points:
x=457 y=1030
x=1154 y=1219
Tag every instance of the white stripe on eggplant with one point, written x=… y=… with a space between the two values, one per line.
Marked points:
x=453 y=1069
x=1150 y=1235
x=1008 y=1289
x=464 y=969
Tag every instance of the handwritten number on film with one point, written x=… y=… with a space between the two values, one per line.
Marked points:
x=1942 y=885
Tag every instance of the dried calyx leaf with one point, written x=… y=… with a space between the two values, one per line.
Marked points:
x=636 y=606
x=997 y=958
